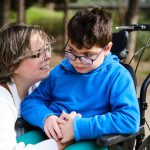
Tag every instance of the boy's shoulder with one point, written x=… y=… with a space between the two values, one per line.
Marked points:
x=117 y=67
x=119 y=70
x=112 y=64
x=114 y=69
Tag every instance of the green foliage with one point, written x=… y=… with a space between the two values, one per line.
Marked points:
x=142 y=37
x=13 y=16
x=51 y=21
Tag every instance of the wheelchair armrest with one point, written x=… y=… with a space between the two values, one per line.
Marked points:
x=21 y=123
x=109 y=140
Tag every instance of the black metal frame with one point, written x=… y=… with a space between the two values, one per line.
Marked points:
x=112 y=141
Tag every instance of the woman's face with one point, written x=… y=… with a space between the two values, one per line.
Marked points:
x=36 y=67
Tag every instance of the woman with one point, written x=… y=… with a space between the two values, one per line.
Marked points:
x=25 y=52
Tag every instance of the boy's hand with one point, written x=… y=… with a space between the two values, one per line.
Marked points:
x=51 y=128
x=72 y=115
x=66 y=126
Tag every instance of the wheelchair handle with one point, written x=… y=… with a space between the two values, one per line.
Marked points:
x=135 y=27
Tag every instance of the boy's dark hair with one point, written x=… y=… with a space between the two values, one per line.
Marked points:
x=89 y=27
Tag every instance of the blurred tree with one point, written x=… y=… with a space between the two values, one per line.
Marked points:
x=131 y=17
x=65 y=22
x=63 y=5
x=40 y=2
x=20 y=8
x=21 y=11
x=4 y=14
x=27 y=3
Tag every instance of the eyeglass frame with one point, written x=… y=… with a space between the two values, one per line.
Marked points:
x=92 y=59
x=48 y=48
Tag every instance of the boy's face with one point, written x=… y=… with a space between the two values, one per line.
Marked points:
x=96 y=54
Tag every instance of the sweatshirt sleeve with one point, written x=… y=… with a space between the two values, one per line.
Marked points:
x=34 y=107
x=124 y=115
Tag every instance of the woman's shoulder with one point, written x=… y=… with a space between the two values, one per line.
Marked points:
x=5 y=97
x=6 y=103
x=4 y=92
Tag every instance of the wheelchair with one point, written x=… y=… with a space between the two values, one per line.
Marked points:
x=122 y=142
x=134 y=141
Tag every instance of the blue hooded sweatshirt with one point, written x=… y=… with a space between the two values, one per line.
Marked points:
x=105 y=97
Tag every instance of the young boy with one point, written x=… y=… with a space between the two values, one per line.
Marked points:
x=90 y=81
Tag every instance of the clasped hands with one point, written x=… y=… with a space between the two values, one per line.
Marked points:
x=60 y=128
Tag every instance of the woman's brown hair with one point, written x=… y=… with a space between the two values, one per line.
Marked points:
x=14 y=42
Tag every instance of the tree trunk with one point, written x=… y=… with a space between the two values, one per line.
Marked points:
x=40 y=2
x=1 y=13
x=132 y=18
x=21 y=11
x=65 y=21
x=5 y=13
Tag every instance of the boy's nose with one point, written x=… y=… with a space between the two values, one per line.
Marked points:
x=78 y=60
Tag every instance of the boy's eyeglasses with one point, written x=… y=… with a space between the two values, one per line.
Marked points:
x=42 y=53
x=85 y=60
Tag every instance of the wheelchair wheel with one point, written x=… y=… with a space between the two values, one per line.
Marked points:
x=146 y=144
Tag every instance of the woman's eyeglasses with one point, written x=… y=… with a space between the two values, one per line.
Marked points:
x=42 y=53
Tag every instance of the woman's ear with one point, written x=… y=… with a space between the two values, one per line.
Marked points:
x=107 y=48
x=16 y=70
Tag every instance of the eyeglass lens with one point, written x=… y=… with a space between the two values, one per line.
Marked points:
x=43 y=53
x=83 y=59
x=86 y=61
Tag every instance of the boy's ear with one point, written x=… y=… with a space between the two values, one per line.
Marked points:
x=108 y=48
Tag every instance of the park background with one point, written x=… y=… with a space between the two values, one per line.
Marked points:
x=53 y=16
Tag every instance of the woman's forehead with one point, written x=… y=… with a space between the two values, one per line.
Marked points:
x=36 y=41
x=36 y=37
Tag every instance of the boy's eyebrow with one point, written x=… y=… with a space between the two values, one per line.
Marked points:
x=71 y=47
x=90 y=52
